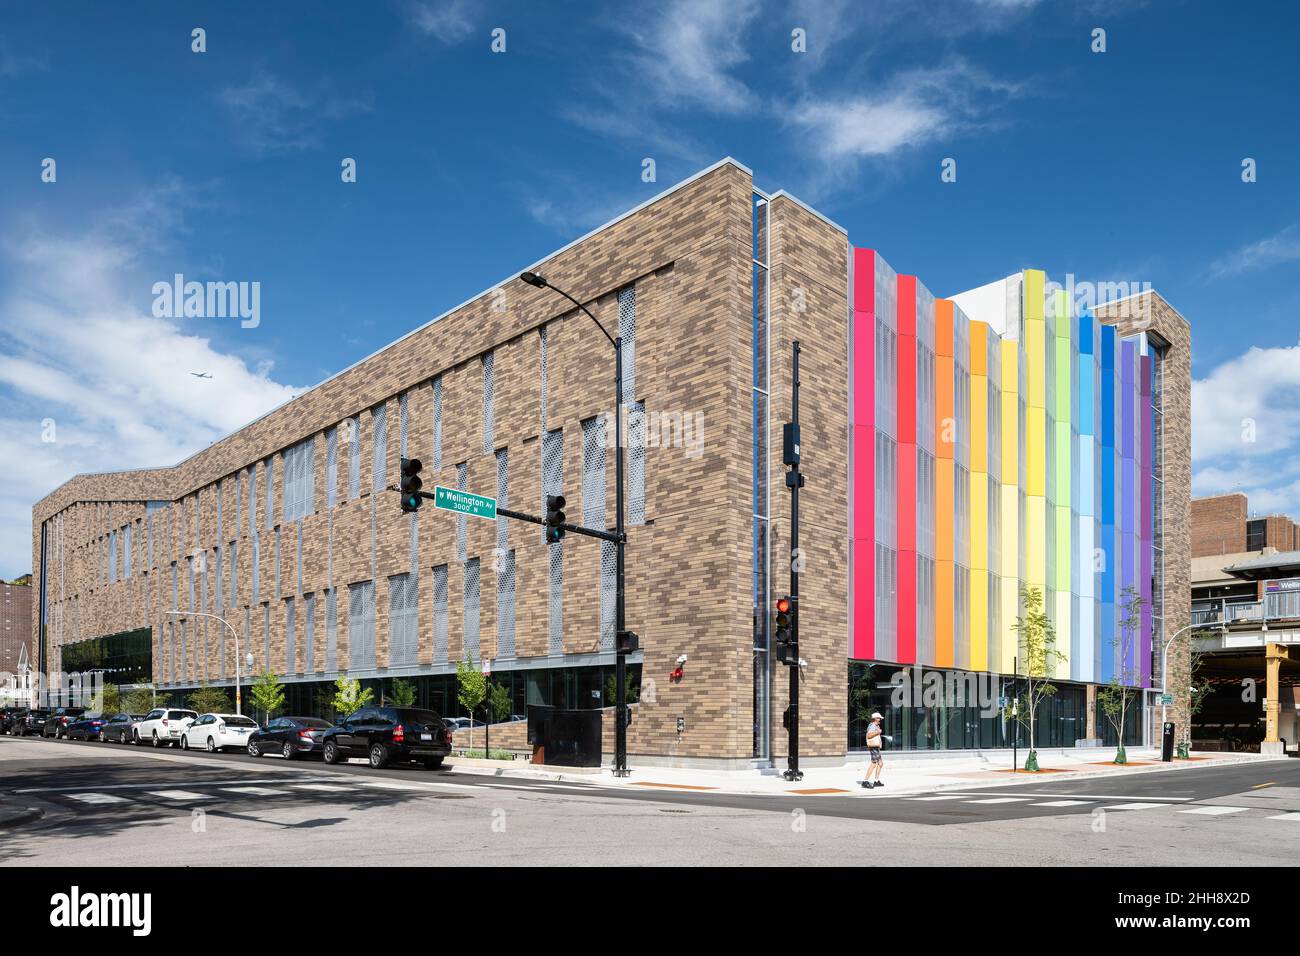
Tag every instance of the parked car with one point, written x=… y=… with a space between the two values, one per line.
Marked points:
x=9 y=716
x=85 y=727
x=463 y=723
x=215 y=732
x=289 y=737
x=385 y=734
x=30 y=723
x=56 y=725
x=119 y=728
x=162 y=726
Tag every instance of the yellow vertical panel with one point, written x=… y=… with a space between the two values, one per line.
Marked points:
x=979 y=521
x=1036 y=359
x=1036 y=452
x=1010 y=637
x=979 y=620
x=1010 y=571
x=979 y=418
x=1063 y=629
x=1036 y=544
x=1035 y=279
x=1010 y=414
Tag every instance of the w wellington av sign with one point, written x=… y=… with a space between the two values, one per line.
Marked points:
x=464 y=502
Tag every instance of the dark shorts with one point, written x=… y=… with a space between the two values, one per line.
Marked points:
x=875 y=754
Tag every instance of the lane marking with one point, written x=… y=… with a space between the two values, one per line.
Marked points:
x=181 y=795
x=1092 y=796
x=1213 y=811
x=97 y=798
x=1136 y=806
x=1258 y=785
x=942 y=796
x=1293 y=817
x=323 y=787
x=1000 y=800
x=257 y=791
x=1061 y=803
x=156 y=785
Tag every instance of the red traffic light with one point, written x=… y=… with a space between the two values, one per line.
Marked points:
x=782 y=605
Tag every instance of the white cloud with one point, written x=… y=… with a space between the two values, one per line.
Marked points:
x=1281 y=247
x=15 y=60
x=1245 y=432
x=448 y=21
x=687 y=53
x=272 y=115
x=77 y=348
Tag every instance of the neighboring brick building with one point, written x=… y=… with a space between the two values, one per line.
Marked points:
x=284 y=528
x=15 y=627
x=1221 y=525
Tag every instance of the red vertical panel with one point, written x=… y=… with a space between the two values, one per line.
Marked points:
x=864 y=454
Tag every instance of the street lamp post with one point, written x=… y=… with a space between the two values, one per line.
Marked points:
x=620 y=658
x=238 y=689
x=1164 y=665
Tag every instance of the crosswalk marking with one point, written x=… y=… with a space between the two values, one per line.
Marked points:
x=256 y=791
x=181 y=795
x=1135 y=806
x=97 y=798
x=1293 y=817
x=1060 y=803
x=942 y=796
x=1213 y=811
x=1000 y=800
x=323 y=787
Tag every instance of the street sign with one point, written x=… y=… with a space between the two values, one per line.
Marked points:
x=464 y=502
x=1002 y=702
x=1166 y=700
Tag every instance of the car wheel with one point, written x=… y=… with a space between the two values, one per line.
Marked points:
x=379 y=756
x=212 y=746
x=253 y=749
x=135 y=738
x=185 y=742
x=432 y=763
x=156 y=741
x=287 y=751
x=331 y=752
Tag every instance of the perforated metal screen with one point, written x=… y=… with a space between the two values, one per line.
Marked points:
x=489 y=390
x=440 y=614
x=472 y=609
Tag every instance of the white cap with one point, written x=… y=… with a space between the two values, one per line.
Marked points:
x=876 y=716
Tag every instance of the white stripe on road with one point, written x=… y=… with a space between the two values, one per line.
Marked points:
x=1000 y=800
x=181 y=795
x=1135 y=806
x=257 y=791
x=97 y=798
x=1213 y=811
x=1293 y=817
x=942 y=796
x=323 y=787
x=1060 y=803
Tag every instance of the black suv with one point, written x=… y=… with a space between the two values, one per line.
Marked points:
x=10 y=716
x=385 y=734
x=32 y=722
x=56 y=725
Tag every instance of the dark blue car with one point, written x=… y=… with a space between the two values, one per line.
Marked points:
x=86 y=727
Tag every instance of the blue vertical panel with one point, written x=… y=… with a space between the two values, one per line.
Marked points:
x=1109 y=551
x=1082 y=666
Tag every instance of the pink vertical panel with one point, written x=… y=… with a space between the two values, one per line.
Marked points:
x=864 y=454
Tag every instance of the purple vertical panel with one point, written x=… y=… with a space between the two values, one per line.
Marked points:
x=1128 y=572
x=1147 y=537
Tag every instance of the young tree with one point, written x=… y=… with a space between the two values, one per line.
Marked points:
x=499 y=701
x=1119 y=696
x=404 y=693
x=108 y=700
x=349 y=697
x=211 y=700
x=471 y=689
x=1037 y=640
x=139 y=701
x=268 y=695
x=1197 y=689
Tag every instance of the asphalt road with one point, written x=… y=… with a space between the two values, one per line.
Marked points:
x=123 y=805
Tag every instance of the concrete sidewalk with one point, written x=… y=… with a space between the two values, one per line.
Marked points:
x=904 y=772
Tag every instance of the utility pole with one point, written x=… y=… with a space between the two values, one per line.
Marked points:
x=793 y=481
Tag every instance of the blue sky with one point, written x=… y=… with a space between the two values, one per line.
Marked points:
x=225 y=165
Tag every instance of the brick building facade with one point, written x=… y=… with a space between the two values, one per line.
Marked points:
x=285 y=530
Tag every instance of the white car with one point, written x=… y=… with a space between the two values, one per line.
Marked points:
x=215 y=732
x=162 y=726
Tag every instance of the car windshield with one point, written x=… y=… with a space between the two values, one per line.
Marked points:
x=313 y=723
x=426 y=717
x=238 y=722
x=180 y=714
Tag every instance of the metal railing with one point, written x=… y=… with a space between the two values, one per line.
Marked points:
x=1279 y=606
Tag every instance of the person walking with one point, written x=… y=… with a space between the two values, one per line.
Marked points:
x=875 y=739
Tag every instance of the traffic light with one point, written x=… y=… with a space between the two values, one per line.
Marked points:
x=627 y=642
x=554 y=518
x=786 y=650
x=411 y=484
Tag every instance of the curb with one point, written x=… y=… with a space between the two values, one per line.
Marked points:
x=599 y=780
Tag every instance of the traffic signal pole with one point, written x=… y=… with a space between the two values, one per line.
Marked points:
x=793 y=480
